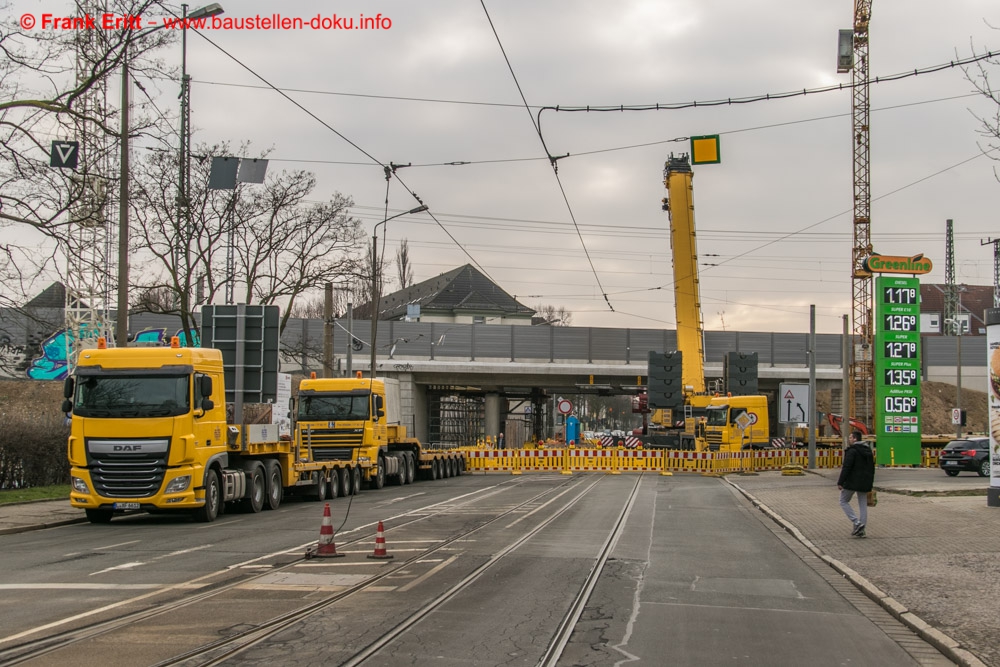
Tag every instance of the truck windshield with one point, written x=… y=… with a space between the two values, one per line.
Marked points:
x=717 y=416
x=136 y=396
x=331 y=407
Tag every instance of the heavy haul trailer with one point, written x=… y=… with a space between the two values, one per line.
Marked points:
x=149 y=432
x=354 y=422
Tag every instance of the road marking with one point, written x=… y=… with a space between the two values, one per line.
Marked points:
x=183 y=551
x=123 y=566
x=220 y=523
x=82 y=587
x=400 y=498
x=525 y=516
x=120 y=544
x=430 y=573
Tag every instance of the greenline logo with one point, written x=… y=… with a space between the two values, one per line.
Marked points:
x=877 y=263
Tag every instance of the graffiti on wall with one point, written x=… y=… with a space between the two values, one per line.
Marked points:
x=49 y=361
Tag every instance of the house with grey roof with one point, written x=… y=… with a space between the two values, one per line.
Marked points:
x=460 y=296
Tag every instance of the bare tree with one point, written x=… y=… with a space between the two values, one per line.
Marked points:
x=284 y=246
x=404 y=266
x=50 y=88
x=556 y=316
x=989 y=124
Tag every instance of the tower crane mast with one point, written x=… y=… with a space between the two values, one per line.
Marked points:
x=862 y=373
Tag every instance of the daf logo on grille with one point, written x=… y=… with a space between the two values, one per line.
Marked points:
x=127 y=448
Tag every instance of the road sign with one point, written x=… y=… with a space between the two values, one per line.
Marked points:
x=793 y=403
x=64 y=154
x=564 y=406
x=745 y=421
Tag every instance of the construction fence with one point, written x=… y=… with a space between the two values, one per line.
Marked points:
x=615 y=461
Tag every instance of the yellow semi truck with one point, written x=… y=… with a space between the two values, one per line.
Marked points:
x=149 y=432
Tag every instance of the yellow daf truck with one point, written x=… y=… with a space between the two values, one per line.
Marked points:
x=149 y=432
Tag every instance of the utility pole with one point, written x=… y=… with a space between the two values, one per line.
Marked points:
x=996 y=269
x=328 y=330
x=812 y=387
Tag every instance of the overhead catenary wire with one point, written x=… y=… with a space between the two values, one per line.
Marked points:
x=552 y=160
x=342 y=136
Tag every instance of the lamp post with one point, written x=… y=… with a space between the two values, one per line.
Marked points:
x=121 y=325
x=375 y=275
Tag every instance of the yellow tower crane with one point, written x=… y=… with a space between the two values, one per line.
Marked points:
x=862 y=386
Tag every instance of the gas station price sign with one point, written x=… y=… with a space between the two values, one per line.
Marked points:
x=897 y=370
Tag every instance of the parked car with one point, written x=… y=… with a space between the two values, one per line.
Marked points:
x=971 y=454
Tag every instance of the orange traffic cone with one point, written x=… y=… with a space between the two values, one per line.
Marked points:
x=326 y=547
x=380 y=551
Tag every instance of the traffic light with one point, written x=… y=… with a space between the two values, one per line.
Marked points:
x=665 y=387
x=740 y=373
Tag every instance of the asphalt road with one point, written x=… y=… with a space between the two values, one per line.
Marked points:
x=694 y=575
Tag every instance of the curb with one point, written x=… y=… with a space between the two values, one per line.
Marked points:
x=40 y=526
x=949 y=647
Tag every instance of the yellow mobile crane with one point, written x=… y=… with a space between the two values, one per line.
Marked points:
x=710 y=421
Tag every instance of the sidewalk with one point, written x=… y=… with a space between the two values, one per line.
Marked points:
x=21 y=517
x=933 y=561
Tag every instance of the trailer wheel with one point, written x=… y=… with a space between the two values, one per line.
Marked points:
x=333 y=486
x=321 y=488
x=435 y=469
x=213 y=499
x=99 y=515
x=254 y=502
x=459 y=468
x=411 y=467
x=343 y=481
x=275 y=492
x=379 y=481
x=450 y=468
x=356 y=481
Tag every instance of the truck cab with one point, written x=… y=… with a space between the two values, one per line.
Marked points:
x=736 y=423
x=147 y=425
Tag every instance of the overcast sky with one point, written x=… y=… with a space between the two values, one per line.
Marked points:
x=785 y=170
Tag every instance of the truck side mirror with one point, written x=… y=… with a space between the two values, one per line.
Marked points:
x=379 y=407
x=207 y=404
x=67 y=406
x=68 y=387
x=206 y=385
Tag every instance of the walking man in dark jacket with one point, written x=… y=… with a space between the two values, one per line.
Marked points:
x=857 y=476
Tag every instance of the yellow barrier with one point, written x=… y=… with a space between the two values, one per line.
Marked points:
x=664 y=462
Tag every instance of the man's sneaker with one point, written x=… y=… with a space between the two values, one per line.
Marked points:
x=861 y=531
x=857 y=527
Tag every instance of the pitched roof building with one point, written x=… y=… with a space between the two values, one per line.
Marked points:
x=973 y=299
x=463 y=295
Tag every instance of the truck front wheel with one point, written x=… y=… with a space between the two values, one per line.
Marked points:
x=379 y=480
x=210 y=510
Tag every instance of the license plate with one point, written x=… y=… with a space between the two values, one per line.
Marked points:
x=126 y=506
x=951 y=463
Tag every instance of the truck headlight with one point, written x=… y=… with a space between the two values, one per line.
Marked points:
x=79 y=485
x=178 y=484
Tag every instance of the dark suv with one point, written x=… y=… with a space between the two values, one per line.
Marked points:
x=972 y=454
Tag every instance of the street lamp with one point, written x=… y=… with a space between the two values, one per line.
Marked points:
x=375 y=274
x=121 y=325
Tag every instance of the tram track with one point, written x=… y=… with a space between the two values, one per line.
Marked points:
x=34 y=649
x=230 y=648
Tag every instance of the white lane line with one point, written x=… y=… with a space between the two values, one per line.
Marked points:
x=82 y=587
x=430 y=573
x=123 y=566
x=120 y=544
x=183 y=551
x=525 y=516
x=220 y=523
